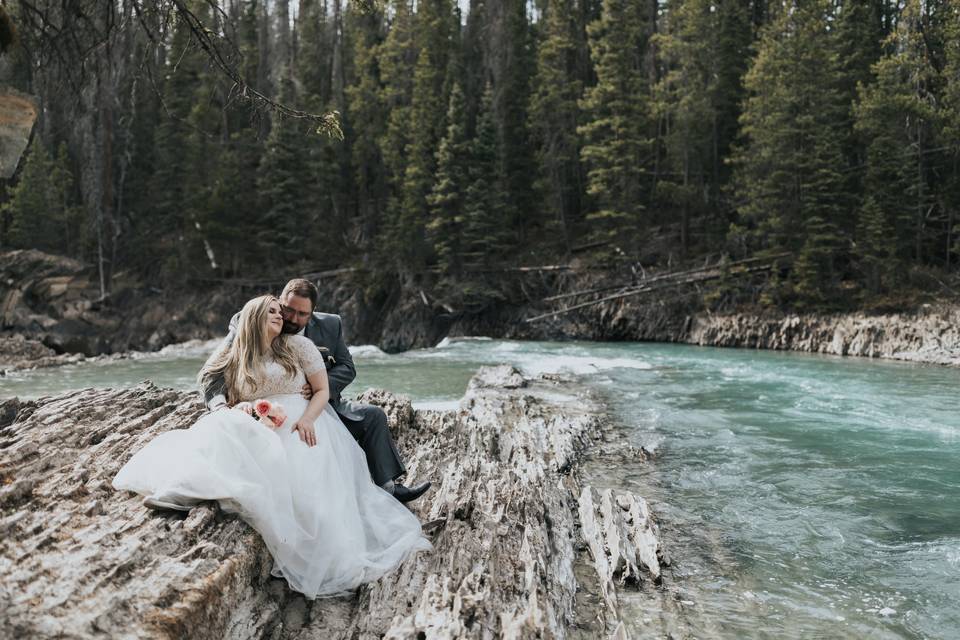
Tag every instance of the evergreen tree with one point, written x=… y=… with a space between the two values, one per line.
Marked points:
x=861 y=31
x=368 y=115
x=486 y=232
x=446 y=200
x=617 y=147
x=734 y=41
x=396 y=58
x=287 y=189
x=897 y=116
x=789 y=178
x=553 y=118
x=685 y=101
x=513 y=58
x=951 y=130
x=428 y=101
x=40 y=212
x=314 y=49
x=234 y=203
x=185 y=155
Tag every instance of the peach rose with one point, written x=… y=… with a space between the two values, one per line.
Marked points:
x=270 y=413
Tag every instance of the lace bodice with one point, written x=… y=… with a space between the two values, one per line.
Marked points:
x=275 y=380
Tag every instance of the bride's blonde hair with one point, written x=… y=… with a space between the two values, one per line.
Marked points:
x=241 y=363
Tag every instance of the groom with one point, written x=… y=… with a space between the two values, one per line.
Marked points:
x=366 y=423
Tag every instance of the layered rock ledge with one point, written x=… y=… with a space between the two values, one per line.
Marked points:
x=509 y=518
x=931 y=335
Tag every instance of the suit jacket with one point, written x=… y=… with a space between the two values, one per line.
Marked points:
x=326 y=331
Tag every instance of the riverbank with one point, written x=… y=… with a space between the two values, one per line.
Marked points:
x=50 y=316
x=509 y=516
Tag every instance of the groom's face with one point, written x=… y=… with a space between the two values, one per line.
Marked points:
x=296 y=312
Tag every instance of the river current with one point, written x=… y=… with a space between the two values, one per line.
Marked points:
x=799 y=496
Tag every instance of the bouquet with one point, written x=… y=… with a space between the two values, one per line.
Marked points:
x=269 y=413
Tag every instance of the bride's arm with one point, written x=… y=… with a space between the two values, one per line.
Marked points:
x=321 y=396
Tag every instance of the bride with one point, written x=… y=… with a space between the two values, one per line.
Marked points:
x=303 y=485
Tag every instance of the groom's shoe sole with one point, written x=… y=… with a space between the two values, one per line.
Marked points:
x=409 y=494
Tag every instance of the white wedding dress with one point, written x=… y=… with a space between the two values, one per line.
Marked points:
x=327 y=525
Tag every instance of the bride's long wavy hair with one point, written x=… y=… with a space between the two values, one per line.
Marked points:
x=241 y=363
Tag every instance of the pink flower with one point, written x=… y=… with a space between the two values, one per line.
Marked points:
x=270 y=413
x=262 y=407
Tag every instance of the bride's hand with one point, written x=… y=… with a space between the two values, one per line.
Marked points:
x=307 y=432
x=246 y=407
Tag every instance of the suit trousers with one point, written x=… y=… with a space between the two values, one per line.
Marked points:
x=373 y=435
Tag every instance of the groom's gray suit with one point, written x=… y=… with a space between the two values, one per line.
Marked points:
x=367 y=423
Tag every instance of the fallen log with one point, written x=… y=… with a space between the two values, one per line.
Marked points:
x=668 y=281
x=78 y=559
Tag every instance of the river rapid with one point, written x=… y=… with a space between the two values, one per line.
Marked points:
x=799 y=496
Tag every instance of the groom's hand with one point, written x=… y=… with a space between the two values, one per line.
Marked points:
x=307 y=391
x=307 y=432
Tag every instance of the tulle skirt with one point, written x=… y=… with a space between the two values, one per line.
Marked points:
x=328 y=527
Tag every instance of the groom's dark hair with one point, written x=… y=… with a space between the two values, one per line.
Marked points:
x=302 y=288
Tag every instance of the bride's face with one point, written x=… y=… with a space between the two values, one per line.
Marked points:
x=274 y=320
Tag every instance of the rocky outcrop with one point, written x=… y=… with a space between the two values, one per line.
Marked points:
x=508 y=516
x=18 y=113
x=931 y=335
x=51 y=300
x=51 y=305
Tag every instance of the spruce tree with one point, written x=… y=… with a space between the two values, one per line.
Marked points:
x=897 y=117
x=40 y=211
x=427 y=110
x=486 y=232
x=617 y=147
x=554 y=115
x=685 y=101
x=368 y=116
x=314 y=50
x=446 y=200
x=287 y=189
x=486 y=236
x=513 y=57
x=184 y=152
x=789 y=172
x=951 y=132
x=396 y=58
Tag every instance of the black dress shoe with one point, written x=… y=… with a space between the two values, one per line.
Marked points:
x=407 y=494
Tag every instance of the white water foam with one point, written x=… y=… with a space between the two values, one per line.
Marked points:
x=448 y=341
x=366 y=351
x=534 y=365
x=186 y=349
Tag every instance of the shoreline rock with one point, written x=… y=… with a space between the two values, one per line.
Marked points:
x=930 y=336
x=79 y=559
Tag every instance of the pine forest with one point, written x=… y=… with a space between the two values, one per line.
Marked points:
x=436 y=142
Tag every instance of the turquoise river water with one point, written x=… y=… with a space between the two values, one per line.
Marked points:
x=799 y=496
